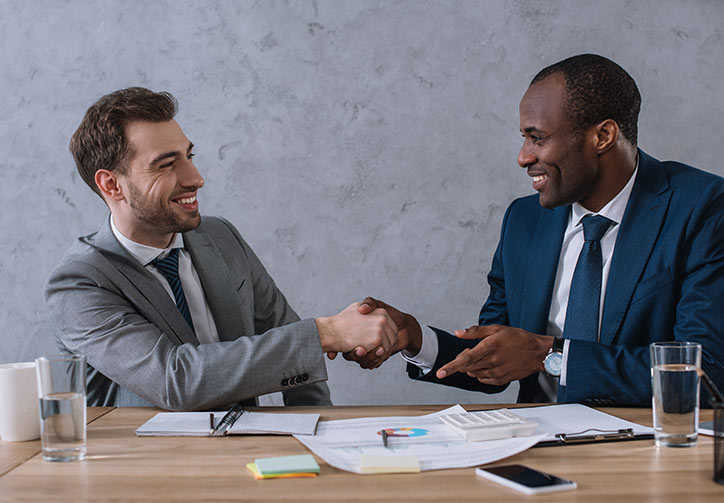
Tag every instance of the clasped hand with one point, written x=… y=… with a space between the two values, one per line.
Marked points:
x=407 y=337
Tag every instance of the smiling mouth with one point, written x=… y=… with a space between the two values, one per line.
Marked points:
x=539 y=178
x=186 y=200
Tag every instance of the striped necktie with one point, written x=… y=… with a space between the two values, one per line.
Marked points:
x=584 y=300
x=168 y=266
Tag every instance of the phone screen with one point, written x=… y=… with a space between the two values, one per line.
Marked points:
x=524 y=479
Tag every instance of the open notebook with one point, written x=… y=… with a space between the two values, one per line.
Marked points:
x=196 y=424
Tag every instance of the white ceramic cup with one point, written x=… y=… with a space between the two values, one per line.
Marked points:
x=18 y=402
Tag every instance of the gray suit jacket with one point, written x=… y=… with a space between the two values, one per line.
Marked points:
x=141 y=351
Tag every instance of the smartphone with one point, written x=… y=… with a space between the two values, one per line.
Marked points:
x=524 y=479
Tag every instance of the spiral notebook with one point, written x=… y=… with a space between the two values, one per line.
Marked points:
x=196 y=424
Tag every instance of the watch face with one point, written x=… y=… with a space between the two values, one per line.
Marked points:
x=553 y=363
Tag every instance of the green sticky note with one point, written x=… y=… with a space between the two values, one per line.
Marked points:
x=303 y=463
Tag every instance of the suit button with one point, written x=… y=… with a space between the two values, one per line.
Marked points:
x=305 y=377
x=285 y=382
x=298 y=380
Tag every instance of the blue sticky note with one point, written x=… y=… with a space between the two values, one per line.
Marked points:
x=303 y=463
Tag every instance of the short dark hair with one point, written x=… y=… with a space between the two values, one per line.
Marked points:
x=598 y=89
x=100 y=141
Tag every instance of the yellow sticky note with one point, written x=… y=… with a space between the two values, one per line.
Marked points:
x=389 y=464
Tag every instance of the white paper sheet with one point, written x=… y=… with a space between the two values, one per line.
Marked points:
x=342 y=443
x=570 y=418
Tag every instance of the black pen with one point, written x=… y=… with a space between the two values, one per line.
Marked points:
x=713 y=390
x=229 y=419
x=384 y=437
x=212 y=429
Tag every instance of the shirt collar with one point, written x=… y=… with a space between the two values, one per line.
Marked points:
x=144 y=253
x=614 y=209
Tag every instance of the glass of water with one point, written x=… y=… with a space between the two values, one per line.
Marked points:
x=62 y=393
x=675 y=386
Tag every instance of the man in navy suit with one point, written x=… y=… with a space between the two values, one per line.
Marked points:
x=658 y=275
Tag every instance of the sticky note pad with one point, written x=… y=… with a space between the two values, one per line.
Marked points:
x=389 y=464
x=303 y=463
x=257 y=475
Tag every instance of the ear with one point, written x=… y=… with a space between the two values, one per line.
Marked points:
x=107 y=182
x=607 y=132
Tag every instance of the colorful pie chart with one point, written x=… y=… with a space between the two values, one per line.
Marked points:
x=404 y=432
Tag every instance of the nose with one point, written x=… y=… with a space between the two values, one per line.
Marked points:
x=525 y=156
x=190 y=176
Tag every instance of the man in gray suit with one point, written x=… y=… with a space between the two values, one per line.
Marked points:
x=172 y=309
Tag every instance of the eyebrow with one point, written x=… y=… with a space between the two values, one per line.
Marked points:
x=167 y=155
x=531 y=130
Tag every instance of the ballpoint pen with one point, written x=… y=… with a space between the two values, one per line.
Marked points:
x=212 y=428
x=384 y=437
x=228 y=420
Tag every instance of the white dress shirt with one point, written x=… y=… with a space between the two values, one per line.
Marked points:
x=572 y=245
x=203 y=320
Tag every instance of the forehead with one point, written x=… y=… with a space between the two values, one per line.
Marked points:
x=543 y=106
x=150 y=139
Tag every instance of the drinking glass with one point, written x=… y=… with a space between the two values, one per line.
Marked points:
x=62 y=393
x=675 y=385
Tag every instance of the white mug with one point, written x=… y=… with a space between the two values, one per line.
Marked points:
x=18 y=402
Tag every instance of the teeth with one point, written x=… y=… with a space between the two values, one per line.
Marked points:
x=539 y=178
x=187 y=200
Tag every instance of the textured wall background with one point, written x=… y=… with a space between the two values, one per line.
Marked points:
x=362 y=147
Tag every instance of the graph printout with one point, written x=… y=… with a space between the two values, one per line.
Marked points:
x=342 y=443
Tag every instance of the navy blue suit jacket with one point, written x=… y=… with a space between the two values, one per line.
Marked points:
x=666 y=282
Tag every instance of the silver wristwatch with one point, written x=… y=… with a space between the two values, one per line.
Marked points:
x=553 y=362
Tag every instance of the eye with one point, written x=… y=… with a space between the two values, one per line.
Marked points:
x=190 y=156
x=166 y=165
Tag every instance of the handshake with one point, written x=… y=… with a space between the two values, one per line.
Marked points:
x=369 y=332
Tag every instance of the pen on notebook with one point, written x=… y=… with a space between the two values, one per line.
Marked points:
x=229 y=419
x=713 y=390
x=384 y=437
x=212 y=429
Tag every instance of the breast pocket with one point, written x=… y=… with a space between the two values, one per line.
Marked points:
x=652 y=284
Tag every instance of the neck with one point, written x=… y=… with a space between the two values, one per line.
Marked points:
x=617 y=166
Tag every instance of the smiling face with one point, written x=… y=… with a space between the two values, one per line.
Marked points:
x=158 y=189
x=561 y=161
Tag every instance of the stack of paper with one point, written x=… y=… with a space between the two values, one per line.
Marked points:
x=284 y=467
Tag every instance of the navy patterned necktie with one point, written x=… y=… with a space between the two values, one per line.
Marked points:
x=584 y=300
x=169 y=268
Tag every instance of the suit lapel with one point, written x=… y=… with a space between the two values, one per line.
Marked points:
x=216 y=279
x=146 y=285
x=540 y=274
x=640 y=227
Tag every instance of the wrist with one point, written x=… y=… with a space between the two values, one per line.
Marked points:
x=414 y=335
x=325 y=331
x=545 y=345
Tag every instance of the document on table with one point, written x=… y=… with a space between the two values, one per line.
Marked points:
x=342 y=443
x=196 y=424
x=574 y=418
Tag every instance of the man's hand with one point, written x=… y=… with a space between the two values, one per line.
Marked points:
x=504 y=354
x=409 y=335
x=351 y=331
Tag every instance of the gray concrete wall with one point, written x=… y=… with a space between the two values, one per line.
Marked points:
x=362 y=148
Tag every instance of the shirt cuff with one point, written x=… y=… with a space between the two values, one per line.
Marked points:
x=425 y=359
x=562 y=380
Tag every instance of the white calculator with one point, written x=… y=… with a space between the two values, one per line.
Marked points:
x=489 y=424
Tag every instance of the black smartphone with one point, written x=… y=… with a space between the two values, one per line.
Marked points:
x=524 y=479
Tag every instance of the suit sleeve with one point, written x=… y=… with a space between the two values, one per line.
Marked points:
x=686 y=308
x=272 y=310
x=493 y=312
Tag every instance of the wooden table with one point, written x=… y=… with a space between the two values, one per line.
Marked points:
x=123 y=467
